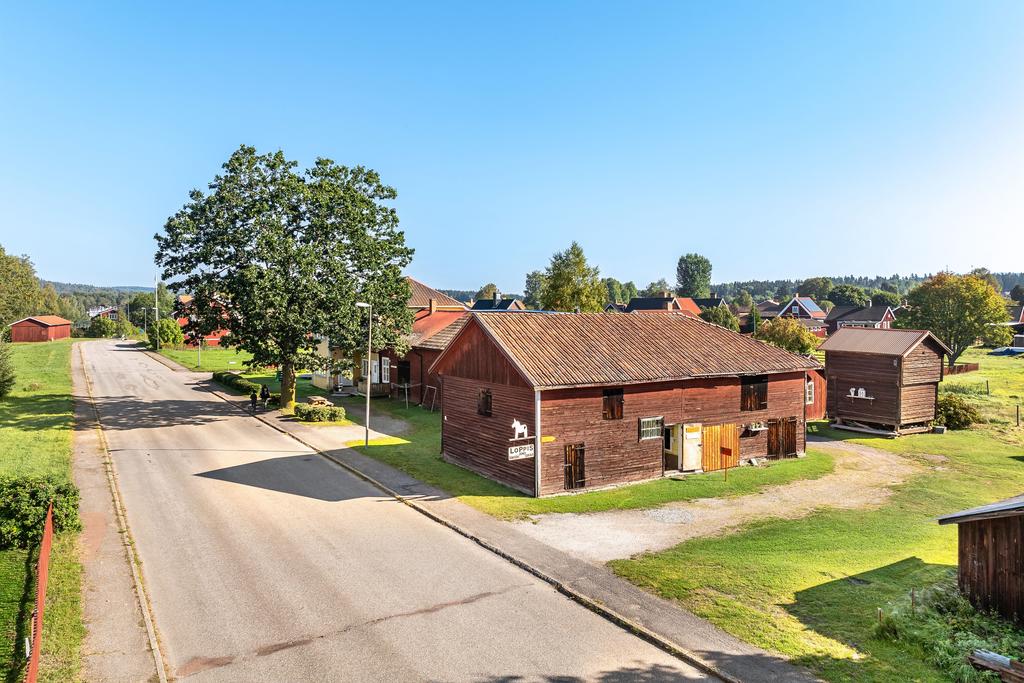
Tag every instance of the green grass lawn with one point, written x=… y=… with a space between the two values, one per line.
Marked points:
x=36 y=423
x=212 y=358
x=810 y=588
x=419 y=456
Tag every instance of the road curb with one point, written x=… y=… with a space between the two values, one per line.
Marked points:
x=122 y=522
x=592 y=604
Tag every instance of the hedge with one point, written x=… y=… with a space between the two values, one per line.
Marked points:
x=23 y=503
x=308 y=413
x=232 y=379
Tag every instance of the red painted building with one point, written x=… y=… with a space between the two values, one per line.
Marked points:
x=40 y=328
x=182 y=309
x=611 y=399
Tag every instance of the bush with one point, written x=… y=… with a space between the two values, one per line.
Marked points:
x=101 y=327
x=169 y=332
x=945 y=627
x=23 y=503
x=7 y=378
x=955 y=412
x=232 y=379
x=308 y=413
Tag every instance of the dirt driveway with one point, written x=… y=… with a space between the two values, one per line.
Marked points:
x=862 y=478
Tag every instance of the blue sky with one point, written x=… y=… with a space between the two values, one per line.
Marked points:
x=779 y=139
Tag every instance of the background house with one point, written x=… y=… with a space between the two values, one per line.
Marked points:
x=886 y=380
x=183 y=306
x=609 y=399
x=990 y=569
x=498 y=304
x=40 y=328
x=657 y=304
x=109 y=313
x=876 y=317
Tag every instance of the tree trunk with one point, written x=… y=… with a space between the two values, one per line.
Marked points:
x=287 y=385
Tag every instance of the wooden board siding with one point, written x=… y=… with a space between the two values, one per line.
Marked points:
x=878 y=375
x=922 y=365
x=918 y=403
x=472 y=355
x=816 y=409
x=481 y=443
x=991 y=572
x=614 y=453
x=419 y=361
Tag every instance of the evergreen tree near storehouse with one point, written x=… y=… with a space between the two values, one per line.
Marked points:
x=7 y=376
x=279 y=257
x=959 y=310
x=693 y=276
x=571 y=284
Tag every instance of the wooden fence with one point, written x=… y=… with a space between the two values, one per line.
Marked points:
x=961 y=368
x=42 y=576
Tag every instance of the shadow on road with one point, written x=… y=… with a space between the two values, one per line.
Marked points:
x=309 y=476
x=132 y=412
x=631 y=674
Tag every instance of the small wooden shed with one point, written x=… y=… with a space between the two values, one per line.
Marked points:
x=991 y=556
x=883 y=380
x=40 y=328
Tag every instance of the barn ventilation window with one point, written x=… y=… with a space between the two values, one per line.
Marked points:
x=483 y=403
x=611 y=408
x=809 y=394
x=651 y=428
x=754 y=393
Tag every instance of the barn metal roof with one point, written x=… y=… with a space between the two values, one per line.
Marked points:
x=878 y=341
x=47 y=320
x=421 y=295
x=555 y=350
x=1003 y=508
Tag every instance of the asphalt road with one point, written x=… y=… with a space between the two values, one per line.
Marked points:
x=265 y=562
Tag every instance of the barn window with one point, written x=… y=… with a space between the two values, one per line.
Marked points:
x=385 y=370
x=809 y=392
x=483 y=403
x=651 y=428
x=754 y=393
x=611 y=408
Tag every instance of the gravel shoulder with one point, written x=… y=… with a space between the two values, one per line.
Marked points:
x=864 y=477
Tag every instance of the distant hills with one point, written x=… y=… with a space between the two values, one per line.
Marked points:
x=74 y=287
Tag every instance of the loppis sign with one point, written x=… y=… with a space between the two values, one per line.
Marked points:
x=520 y=451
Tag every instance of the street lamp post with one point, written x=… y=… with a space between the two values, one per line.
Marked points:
x=369 y=368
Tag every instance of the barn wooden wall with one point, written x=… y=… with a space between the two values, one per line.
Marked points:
x=991 y=572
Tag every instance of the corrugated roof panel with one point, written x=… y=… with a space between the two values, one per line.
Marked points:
x=878 y=341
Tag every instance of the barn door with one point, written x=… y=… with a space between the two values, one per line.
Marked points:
x=721 y=447
x=575 y=467
x=774 y=438
x=789 y=436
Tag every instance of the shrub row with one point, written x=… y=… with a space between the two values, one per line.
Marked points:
x=309 y=413
x=23 y=503
x=235 y=381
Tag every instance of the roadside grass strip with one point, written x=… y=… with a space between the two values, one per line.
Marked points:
x=36 y=424
x=811 y=588
x=212 y=358
x=418 y=456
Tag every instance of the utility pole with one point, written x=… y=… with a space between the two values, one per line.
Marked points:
x=156 y=309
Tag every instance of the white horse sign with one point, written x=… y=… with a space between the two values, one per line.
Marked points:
x=519 y=431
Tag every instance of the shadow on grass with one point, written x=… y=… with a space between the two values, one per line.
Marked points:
x=639 y=673
x=23 y=624
x=845 y=609
x=39 y=412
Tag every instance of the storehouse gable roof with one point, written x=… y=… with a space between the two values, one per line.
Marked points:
x=422 y=294
x=555 y=350
x=1003 y=508
x=881 y=342
x=45 y=320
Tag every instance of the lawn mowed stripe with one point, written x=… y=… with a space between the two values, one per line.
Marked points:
x=36 y=425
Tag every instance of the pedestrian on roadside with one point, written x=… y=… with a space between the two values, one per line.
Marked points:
x=252 y=399
x=264 y=395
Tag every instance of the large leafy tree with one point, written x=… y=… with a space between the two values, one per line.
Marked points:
x=721 y=316
x=534 y=286
x=141 y=305
x=488 y=291
x=693 y=276
x=848 y=295
x=743 y=299
x=788 y=334
x=657 y=288
x=629 y=291
x=959 y=310
x=279 y=257
x=880 y=297
x=20 y=293
x=815 y=287
x=613 y=290
x=571 y=284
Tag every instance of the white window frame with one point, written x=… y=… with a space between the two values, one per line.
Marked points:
x=809 y=392
x=651 y=428
x=364 y=369
x=385 y=370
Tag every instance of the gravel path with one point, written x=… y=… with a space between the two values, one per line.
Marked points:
x=862 y=478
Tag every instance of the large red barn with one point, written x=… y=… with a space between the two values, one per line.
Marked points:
x=40 y=328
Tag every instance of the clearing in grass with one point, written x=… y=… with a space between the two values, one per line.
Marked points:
x=810 y=588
